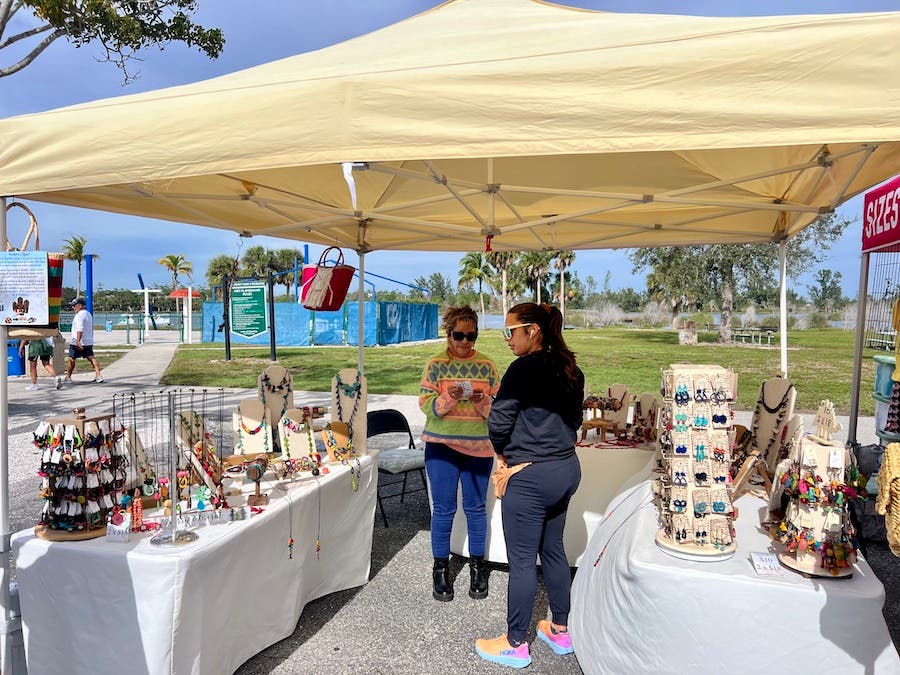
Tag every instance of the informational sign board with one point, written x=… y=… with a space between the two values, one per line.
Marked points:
x=881 y=218
x=247 y=308
x=24 y=288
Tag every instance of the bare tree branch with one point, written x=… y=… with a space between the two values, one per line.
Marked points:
x=25 y=34
x=32 y=55
x=7 y=10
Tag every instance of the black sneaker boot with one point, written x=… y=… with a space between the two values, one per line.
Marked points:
x=443 y=584
x=478 y=584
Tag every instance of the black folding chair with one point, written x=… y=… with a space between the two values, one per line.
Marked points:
x=395 y=462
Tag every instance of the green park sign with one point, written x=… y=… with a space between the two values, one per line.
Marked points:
x=247 y=311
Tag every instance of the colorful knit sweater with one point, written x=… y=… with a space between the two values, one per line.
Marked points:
x=458 y=424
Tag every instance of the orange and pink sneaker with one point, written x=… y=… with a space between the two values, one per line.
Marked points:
x=560 y=642
x=500 y=651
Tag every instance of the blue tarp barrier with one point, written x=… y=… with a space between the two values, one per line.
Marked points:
x=385 y=323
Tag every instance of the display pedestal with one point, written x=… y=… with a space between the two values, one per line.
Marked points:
x=694 y=552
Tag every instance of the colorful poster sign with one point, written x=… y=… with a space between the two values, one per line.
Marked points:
x=24 y=289
x=881 y=218
x=248 y=309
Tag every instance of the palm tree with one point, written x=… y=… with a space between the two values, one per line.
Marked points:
x=220 y=267
x=474 y=267
x=73 y=249
x=258 y=261
x=563 y=260
x=283 y=259
x=502 y=261
x=176 y=264
x=536 y=264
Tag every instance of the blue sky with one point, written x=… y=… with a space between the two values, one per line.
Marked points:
x=265 y=30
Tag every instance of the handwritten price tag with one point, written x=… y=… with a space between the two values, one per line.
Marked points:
x=766 y=565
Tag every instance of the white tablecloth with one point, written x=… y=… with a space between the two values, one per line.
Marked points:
x=97 y=607
x=604 y=472
x=641 y=610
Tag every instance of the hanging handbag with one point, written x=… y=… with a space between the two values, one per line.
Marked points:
x=325 y=286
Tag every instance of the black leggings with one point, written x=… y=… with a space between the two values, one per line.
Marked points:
x=534 y=517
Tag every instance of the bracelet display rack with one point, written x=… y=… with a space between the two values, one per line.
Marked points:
x=83 y=470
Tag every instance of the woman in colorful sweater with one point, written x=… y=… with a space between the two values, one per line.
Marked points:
x=457 y=388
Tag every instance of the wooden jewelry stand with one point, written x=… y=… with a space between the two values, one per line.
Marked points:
x=252 y=433
x=79 y=421
x=816 y=509
x=694 y=496
x=770 y=429
x=276 y=392
x=255 y=472
x=344 y=402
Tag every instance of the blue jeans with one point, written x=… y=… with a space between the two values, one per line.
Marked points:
x=446 y=469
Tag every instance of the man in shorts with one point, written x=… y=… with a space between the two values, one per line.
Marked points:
x=42 y=349
x=81 y=342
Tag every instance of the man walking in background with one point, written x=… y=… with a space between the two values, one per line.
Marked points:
x=81 y=342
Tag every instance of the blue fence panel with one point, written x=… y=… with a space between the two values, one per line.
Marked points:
x=406 y=322
x=370 y=323
x=295 y=326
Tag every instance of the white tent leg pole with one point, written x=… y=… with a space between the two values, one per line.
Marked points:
x=861 y=299
x=8 y=626
x=782 y=302
x=361 y=313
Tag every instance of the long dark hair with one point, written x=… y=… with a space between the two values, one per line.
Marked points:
x=550 y=320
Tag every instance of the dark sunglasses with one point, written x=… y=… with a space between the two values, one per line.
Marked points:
x=458 y=335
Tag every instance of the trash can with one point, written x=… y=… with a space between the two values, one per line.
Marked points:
x=15 y=362
x=108 y=326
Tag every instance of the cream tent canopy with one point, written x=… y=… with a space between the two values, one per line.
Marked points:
x=544 y=126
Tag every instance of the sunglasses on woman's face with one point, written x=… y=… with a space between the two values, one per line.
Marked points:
x=458 y=335
x=507 y=330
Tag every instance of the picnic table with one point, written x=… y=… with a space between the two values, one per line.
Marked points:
x=882 y=339
x=755 y=334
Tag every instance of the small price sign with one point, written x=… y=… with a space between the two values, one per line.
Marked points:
x=766 y=565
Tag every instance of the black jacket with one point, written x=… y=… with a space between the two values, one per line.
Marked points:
x=537 y=412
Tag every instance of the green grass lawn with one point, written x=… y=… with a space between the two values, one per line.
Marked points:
x=820 y=363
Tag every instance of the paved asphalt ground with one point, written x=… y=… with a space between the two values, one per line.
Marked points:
x=390 y=625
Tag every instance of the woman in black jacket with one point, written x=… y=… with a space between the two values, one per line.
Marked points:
x=533 y=424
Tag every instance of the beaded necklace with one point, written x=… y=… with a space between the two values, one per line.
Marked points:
x=779 y=411
x=345 y=455
x=251 y=432
x=349 y=390
x=283 y=389
x=292 y=426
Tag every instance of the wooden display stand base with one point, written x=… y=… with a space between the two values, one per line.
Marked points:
x=754 y=464
x=808 y=566
x=705 y=553
x=49 y=534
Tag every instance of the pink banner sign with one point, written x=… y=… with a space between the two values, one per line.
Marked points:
x=881 y=218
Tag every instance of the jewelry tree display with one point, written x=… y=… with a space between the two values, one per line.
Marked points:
x=276 y=392
x=83 y=470
x=695 y=440
x=810 y=502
